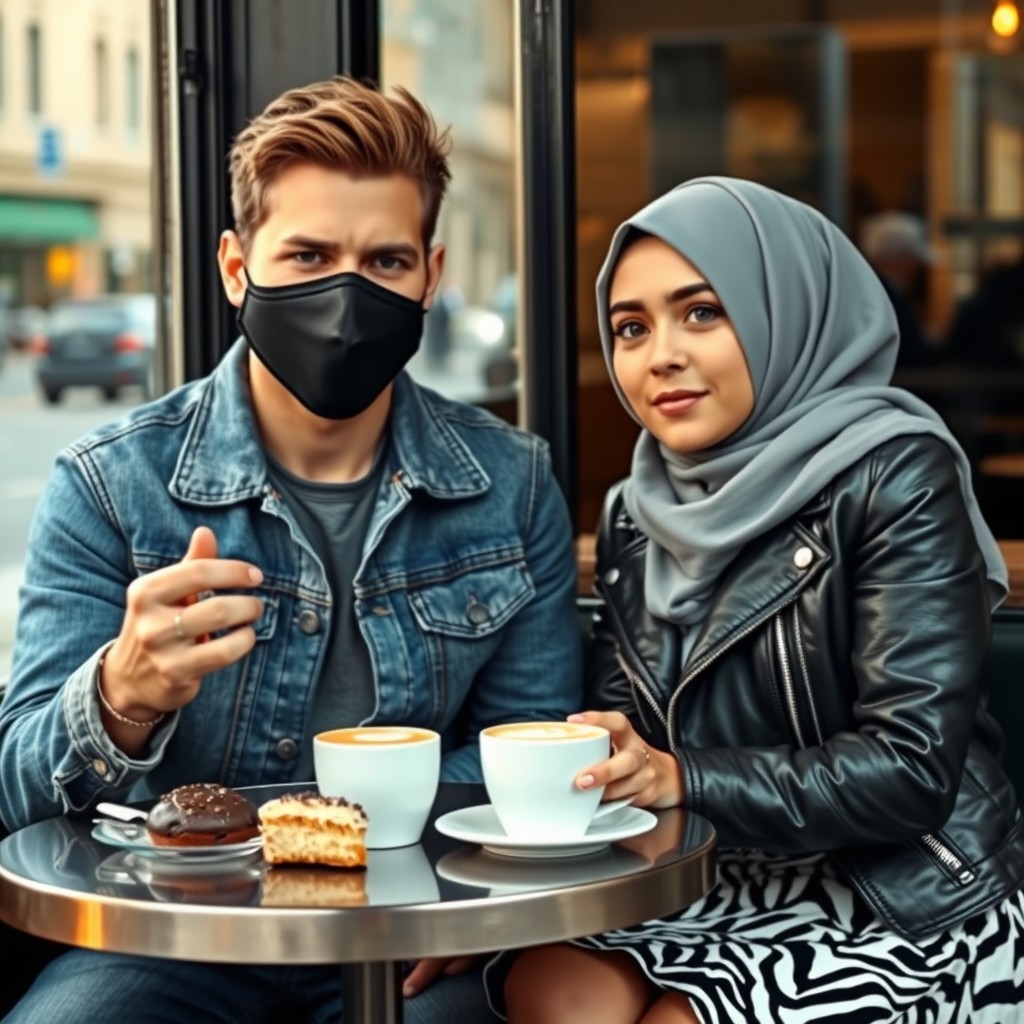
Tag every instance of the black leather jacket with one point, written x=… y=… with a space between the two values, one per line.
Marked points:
x=832 y=700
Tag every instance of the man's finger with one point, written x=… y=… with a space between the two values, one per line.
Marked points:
x=215 y=615
x=203 y=544
x=176 y=583
x=202 y=659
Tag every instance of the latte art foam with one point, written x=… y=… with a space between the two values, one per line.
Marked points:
x=385 y=736
x=378 y=736
x=544 y=731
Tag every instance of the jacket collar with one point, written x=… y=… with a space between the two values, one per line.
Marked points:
x=426 y=447
x=765 y=577
x=222 y=460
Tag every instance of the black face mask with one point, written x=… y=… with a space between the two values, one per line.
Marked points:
x=334 y=343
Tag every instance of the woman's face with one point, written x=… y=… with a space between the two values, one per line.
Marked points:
x=676 y=355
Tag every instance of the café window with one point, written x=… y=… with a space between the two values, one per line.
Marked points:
x=903 y=121
x=75 y=252
x=133 y=87
x=34 y=44
x=457 y=58
x=102 y=83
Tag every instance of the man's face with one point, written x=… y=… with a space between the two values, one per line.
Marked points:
x=324 y=222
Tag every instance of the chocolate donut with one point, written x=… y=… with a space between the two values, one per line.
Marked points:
x=202 y=814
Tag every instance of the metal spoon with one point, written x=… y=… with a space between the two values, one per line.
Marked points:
x=120 y=812
x=126 y=830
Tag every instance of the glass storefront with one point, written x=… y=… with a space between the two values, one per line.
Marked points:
x=457 y=57
x=75 y=224
x=902 y=120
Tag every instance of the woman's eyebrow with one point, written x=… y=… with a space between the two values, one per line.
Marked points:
x=636 y=306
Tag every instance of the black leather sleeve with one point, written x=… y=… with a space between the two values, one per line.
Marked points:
x=608 y=689
x=920 y=614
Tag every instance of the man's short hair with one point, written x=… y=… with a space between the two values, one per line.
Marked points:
x=343 y=125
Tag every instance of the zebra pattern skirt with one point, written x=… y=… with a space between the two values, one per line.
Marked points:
x=782 y=939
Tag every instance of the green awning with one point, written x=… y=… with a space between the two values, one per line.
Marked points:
x=24 y=219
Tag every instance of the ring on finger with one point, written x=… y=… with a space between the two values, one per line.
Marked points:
x=178 y=631
x=647 y=755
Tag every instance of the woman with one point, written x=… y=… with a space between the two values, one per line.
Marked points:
x=798 y=586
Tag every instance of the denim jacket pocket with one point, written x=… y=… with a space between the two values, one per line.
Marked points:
x=474 y=604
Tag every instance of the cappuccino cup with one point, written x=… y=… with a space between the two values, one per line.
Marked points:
x=530 y=771
x=391 y=770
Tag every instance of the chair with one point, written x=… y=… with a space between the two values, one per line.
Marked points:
x=1004 y=678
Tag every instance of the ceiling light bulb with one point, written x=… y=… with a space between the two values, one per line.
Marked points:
x=1005 y=19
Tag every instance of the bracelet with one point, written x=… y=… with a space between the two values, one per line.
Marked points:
x=116 y=715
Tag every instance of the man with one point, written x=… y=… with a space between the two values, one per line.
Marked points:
x=305 y=539
x=896 y=245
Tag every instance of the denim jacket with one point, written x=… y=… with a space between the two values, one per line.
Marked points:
x=465 y=595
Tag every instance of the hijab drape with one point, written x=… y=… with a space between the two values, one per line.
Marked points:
x=820 y=338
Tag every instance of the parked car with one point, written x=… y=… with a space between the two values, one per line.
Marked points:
x=25 y=324
x=106 y=341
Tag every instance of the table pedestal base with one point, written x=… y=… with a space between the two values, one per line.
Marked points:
x=372 y=993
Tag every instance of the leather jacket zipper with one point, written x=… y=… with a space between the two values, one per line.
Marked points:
x=641 y=687
x=806 y=675
x=787 y=679
x=709 y=659
x=963 y=874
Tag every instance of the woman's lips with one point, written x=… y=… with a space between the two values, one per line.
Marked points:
x=677 y=403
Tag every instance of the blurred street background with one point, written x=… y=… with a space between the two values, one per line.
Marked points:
x=31 y=433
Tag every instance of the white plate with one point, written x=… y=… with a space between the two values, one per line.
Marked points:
x=480 y=825
x=135 y=839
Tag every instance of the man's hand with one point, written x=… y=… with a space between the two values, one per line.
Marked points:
x=651 y=777
x=426 y=971
x=158 y=660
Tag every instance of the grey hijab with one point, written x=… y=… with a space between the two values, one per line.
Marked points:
x=820 y=339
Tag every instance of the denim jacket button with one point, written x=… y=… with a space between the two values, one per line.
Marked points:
x=309 y=622
x=477 y=613
x=99 y=766
x=286 y=749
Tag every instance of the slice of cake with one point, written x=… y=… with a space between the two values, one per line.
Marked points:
x=306 y=828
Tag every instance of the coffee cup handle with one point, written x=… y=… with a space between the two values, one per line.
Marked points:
x=603 y=810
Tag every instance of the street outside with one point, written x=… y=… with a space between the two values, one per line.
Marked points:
x=31 y=435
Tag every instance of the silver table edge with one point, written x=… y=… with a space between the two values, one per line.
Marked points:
x=354 y=934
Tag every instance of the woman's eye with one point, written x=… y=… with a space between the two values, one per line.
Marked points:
x=629 y=329
x=704 y=314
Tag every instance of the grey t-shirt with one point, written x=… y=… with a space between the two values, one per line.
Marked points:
x=335 y=518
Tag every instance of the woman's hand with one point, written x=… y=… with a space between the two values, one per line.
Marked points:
x=651 y=777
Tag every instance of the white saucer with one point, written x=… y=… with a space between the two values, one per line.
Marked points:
x=480 y=825
x=135 y=840
x=504 y=876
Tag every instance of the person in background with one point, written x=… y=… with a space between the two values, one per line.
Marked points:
x=305 y=539
x=797 y=589
x=896 y=245
x=988 y=328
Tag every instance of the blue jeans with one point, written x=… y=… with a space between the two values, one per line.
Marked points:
x=85 y=987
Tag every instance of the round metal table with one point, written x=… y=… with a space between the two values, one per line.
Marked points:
x=439 y=898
